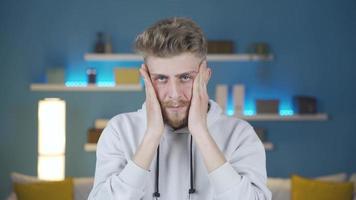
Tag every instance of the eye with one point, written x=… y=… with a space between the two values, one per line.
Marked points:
x=161 y=79
x=185 y=78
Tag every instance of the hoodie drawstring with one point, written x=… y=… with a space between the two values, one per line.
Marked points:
x=192 y=190
x=156 y=194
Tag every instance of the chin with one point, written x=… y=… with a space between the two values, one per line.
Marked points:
x=177 y=123
x=176 y=119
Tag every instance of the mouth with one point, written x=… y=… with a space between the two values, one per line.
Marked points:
x=176 y=109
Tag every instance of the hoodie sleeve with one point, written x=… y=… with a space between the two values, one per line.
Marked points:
x=244 y=175
x=115 y=176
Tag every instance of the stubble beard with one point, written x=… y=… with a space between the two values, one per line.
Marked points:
x=175 y=119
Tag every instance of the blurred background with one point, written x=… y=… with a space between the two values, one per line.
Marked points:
x=312 y=43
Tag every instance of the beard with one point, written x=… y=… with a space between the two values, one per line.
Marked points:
x=175 y=118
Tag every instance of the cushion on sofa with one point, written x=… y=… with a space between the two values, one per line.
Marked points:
x=281 y=187
x=309 y=189
x=82 y=185
x=43 y=190
x=353 y=180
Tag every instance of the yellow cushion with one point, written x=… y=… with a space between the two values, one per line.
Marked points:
x=54 y=190
x=309 y=189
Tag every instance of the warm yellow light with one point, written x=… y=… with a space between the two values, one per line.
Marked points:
x=51 y=139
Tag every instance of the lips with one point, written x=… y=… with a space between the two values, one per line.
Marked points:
x=176 y=109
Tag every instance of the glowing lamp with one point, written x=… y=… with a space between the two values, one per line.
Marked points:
x=51 y=139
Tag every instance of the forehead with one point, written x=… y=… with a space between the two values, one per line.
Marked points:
x=173 y=65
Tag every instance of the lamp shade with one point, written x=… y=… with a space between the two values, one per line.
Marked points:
x=51 y=139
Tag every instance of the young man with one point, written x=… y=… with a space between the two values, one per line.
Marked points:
x=180 y=145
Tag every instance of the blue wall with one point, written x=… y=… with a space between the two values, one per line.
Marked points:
x=314 y=43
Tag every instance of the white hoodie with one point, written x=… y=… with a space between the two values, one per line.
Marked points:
x=242 y=177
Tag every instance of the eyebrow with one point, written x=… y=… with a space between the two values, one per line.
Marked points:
x=177 y=75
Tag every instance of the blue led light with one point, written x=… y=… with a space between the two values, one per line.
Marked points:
x=249 y=107
x=230 y=112
x=286 y=112
x=76 y=84
x=249 y=112
x=285 y=109
x=106 y=84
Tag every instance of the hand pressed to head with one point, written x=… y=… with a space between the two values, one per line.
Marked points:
x=177 y=83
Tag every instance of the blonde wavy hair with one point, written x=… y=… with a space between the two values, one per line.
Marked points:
x=171 y=37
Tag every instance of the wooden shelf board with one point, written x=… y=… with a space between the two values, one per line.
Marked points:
x=276 y=117
x=112 y=57
x=89 y=88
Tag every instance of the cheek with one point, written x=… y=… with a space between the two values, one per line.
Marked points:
x=161 y=91
x=188 y=91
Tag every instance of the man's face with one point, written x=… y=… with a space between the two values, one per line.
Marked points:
x=172 y=79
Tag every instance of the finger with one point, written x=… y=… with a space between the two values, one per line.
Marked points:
x=203 y=69
x=206 y=71
x=149 y=86
x=198 y=79
x=195 y=86
x=198 y=83
x=208 y=75
x=146 y=90
x=202 y=83
x=144 y=76
x=143 y=72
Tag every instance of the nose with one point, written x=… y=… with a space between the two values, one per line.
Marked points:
x=174 y=90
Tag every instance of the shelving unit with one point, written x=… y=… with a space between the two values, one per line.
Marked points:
x=91 y=147
x=137 y=57
x=89 y=88
x=275 y=117
x=211 y=57
x=138 y=87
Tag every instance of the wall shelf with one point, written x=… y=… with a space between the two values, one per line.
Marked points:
x=137 y=57
x=91 y=147
x=89 y=88
x=211 y=57
x=276 y=117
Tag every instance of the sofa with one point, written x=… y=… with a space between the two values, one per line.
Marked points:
x=81 y=185
x=280 y=187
